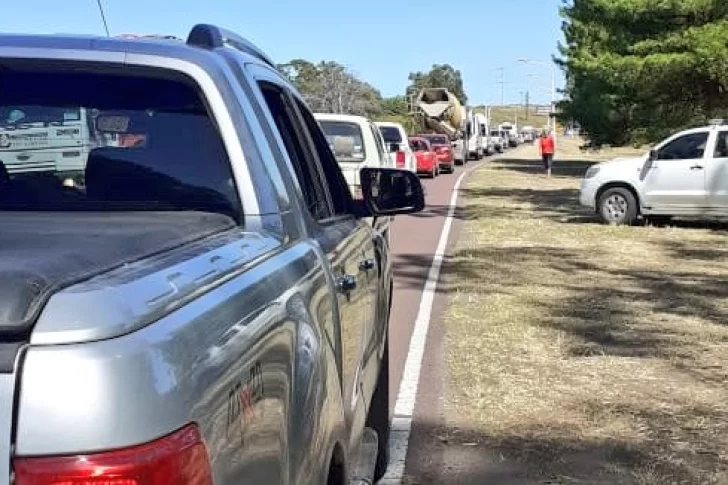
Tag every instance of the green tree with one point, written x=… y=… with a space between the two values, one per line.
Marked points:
x=638 y=70
x=331 y=88
x=440 y=76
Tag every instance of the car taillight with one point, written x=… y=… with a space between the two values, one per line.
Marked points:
x=400 y=159
x=180 y=459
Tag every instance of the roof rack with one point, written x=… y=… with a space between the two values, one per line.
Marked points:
x=718 y=122
x=211 y=37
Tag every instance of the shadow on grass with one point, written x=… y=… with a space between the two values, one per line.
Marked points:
x=451 y=454
x=563 y=168
x=606 y=313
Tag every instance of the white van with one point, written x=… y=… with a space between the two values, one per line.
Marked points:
x=45 y=139
x=397 y=144
x=481 y=123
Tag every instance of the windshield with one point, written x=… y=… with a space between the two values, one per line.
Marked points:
x=11 y=116
x=391 y=134
x=78 y=140
x=345 y=140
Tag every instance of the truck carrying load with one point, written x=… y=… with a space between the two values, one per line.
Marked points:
x=439 y=110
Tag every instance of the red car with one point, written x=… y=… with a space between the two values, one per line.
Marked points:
x=426 y=158
x=442 y=147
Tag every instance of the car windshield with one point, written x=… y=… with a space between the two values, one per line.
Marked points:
x=345 y=139
x=391 y=134
x=80 y=140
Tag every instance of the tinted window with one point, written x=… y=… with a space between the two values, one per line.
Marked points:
x=419 y=145
x=721 y=145
x=345 y=140
x=299 y=152
x=685 y=147
x=335 y=182
x=391 y=134
x=129 y=141
x=438 y=139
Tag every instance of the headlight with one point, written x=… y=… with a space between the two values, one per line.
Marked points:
x=592 y=171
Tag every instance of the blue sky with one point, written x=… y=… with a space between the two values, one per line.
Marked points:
x=381 y=41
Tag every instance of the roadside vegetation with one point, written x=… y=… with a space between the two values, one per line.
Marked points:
x=639 y=70
x=580 y=352
x=330 y=87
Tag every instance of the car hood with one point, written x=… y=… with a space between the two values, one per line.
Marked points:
x=622 y=163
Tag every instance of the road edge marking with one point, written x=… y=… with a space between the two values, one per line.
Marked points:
x=406 y=398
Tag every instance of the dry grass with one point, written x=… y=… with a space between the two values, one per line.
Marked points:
x=570 y=149
x=586 y=353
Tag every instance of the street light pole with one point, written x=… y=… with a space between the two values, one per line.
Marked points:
x=553 y=88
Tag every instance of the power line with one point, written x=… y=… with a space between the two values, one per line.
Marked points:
x=103 y=17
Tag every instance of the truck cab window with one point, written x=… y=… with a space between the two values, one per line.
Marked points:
x=686 y=147
x=339 y=190
x=292 y=134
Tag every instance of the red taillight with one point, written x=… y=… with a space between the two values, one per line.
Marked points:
x=180 y=458
x=400 y=159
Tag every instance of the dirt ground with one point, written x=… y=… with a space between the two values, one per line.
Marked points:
x=579 y=353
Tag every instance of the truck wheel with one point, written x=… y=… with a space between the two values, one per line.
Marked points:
x=618 y=206
x=379 y=419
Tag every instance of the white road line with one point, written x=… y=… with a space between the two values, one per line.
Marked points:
x=405 y=406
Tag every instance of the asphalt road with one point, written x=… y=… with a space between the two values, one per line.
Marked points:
x=414 y=239
x=414 y=242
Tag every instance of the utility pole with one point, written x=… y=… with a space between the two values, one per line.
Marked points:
x=502 y=82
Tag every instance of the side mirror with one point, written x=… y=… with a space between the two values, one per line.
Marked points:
x=394 y=147
x=391 y=191
x=652 y=156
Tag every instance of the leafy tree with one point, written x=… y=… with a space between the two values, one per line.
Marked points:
x=329 y=87
x=638 y=70
x=440 y=76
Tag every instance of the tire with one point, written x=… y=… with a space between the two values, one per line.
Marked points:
x=618 y=206
x=379 y=418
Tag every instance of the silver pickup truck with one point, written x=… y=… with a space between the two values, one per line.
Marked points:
x=206 y=304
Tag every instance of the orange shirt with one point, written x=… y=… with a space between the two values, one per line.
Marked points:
x=546 y=144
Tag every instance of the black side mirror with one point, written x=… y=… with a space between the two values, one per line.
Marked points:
x=652 y=156
x=394 y=147
x=391 y=191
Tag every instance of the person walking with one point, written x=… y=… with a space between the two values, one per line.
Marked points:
x=547 y=147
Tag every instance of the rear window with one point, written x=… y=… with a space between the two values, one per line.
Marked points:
x=79 y=140
x=391 y=134
x=345 y=139
x=438 y=139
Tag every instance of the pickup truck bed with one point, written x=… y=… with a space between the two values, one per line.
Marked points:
x=41 y=252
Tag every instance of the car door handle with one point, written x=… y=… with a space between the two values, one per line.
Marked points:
x=366 y=265
x=696 y=167
x=346 y=283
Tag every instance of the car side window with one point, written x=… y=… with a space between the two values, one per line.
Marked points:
x=293 y=136
x=721 y=145
x=686 y=147
x=330 y=169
